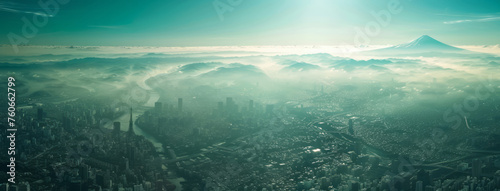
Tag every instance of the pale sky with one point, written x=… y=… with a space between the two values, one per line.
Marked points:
x=249 y=22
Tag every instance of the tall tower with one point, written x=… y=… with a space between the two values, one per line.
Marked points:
x=131 y=124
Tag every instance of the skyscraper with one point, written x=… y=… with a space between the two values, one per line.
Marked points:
x=419 y=186
x=131 y=124
x=351 y=130
x=229 y=104
x=131 y=156
x=162 y=121
x=220 y=106
x=40 y=114
x=476 y=167
x=23 y=186
x=83 y=170
x=116 y=127
x=355 y=186
x=66 y=123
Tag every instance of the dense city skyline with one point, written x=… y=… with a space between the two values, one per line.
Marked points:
x=250 y=95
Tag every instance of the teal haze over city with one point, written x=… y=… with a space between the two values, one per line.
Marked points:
x=250 y=95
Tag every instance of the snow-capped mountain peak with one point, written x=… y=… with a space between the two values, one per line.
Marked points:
x=425 y=42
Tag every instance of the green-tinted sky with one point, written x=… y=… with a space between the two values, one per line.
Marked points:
x=251 y=22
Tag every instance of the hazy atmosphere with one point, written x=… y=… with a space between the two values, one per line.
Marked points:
x=250 y=95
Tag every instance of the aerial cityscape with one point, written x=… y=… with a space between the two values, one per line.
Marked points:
x=208 y=105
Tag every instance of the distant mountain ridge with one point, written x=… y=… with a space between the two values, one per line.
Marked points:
x=423 y=46
x=300 y=67
x=426 y=42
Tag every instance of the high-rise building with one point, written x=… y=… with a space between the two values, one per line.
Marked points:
x=67 y=123
x=419 y=186
x=24 y=186
x=351 y=129
x=179 y=104
x=229 y=104
x=116 y=127
x=40 y=114
x=355 y=186
x=324 y=183
x=127 y=163
x=83 y=170
x=107 y=179
x=75 y=184
x=220 y=106
x=159 y=185
x=131 y=156
x=476 y=167
x=138 y=187
x=158 y=108
x=4 y=187
x=424 y=176
x=162 y=122
x=99 y=179
x=131 y=124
